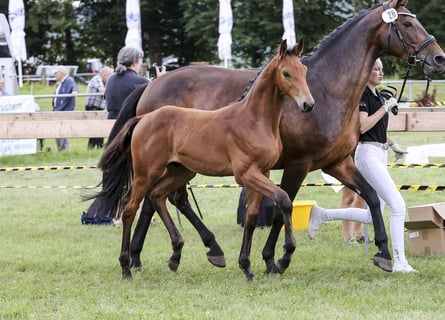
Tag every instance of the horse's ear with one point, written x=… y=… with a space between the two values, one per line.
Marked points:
x=401 y=3
x=298 y=48
x=283 y=48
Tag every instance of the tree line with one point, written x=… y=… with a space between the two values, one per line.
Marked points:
x=69 y=32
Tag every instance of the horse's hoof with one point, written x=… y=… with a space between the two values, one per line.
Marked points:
x=138 y=269
x=249 y=275
x=217 y=261
x=382 y=263
x=126 y=274
x=280 y=268
x=270 y=267
x=173 y=265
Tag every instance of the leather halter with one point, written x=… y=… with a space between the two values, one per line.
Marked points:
x=412 y=57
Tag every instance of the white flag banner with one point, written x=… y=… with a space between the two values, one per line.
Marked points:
x=288 y=23
x=13 y=104
x=133 y=18
x=225 y=29
x=16 y=17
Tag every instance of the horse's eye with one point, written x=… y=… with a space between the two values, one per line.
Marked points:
x=286 y=74
x=407 y=24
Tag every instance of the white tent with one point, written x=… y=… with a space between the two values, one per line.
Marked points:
x=17 y=23
x=288 y=23
x=225 y=29
x=133 y=17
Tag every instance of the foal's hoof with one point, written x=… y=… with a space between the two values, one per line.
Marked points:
x=173 y=265
x=217 y=261
x=383 y=263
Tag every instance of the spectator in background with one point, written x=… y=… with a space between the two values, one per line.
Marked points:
x=124 y=80
x=65 y=86
x=97 y=102
x=2 y=87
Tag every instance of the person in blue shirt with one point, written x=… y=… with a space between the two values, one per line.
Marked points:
x=65 y=85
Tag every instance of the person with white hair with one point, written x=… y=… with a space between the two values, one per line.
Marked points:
x=124 y=80
x=66 y=86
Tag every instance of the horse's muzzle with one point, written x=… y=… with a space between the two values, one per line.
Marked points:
x=307 y=107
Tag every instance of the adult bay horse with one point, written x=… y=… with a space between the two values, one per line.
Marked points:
x=170 y=145
x=338 y=70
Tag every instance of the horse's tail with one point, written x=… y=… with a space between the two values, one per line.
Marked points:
x=116 y=165
x=128 y=111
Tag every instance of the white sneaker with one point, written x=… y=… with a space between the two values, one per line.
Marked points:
x=403 y=267
x=315 y=221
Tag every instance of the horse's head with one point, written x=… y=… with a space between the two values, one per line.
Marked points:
x=406 y=38
x=291 y=76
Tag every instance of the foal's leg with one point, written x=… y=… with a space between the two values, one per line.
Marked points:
x=293 y=176
x=136 y=194
x=179 y=199
x=260 y=183
x=174 y=177
x=250 y=219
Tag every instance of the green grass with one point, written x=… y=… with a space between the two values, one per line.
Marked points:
x=45 y=104
x=55 y=268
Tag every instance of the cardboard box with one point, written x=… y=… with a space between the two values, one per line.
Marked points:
x=426 y=229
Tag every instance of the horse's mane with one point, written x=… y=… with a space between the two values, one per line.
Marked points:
x=337 y=32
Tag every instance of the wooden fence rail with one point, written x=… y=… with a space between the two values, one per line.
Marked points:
x=84 y=124
x=62 y=124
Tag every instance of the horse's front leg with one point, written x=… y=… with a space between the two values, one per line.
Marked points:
x=140 y=232
x=250 y=219
x=293 y=176
x=180 y=200
x=176 y=238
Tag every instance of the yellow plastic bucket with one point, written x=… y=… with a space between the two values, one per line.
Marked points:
x=300 y=214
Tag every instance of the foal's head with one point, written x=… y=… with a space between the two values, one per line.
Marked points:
x=291 y=76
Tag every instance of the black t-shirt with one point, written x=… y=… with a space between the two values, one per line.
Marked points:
x=370 y=103
x=118 y=88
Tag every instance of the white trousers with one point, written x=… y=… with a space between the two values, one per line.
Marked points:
x=372 y=163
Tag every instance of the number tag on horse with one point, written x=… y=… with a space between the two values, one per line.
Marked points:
x=390 y=15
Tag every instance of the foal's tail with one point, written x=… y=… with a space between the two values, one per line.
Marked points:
x=116 y=166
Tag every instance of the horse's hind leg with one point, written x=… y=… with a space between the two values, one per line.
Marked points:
x=140 y=232
x=136 y=194
x=174 y=177
x=179 y=198
x=349 y=175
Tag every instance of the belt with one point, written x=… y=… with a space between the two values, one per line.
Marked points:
x=383 y=146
